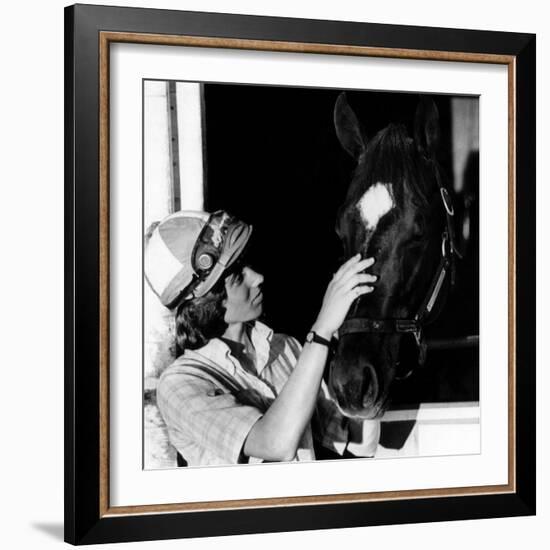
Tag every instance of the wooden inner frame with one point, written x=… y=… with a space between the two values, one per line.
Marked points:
x=105 y=39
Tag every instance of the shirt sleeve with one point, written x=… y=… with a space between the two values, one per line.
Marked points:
x=330 y=426
x=343 y=435
x=334 y=431
x=364 y=437
x=209 y=415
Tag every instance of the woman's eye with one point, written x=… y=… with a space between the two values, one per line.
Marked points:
x=237 y=278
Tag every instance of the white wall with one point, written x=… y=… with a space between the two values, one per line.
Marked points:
x=31 y=293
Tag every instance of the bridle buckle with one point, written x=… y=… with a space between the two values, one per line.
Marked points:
x=406 y=325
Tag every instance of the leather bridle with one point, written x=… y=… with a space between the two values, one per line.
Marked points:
x=415 y=324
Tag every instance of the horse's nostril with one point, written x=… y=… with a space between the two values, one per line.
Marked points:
x=370 y=386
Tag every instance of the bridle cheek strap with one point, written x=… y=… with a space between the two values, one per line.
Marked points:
x=414 y=326
x=404 y=326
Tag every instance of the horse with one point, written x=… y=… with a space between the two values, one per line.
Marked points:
x=398 y=209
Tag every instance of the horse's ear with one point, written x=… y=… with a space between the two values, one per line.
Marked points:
x=348 y=128
x=426 y=126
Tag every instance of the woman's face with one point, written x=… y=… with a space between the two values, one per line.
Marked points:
x=244 y=296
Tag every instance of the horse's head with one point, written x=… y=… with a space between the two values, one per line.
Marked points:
x=393 y=211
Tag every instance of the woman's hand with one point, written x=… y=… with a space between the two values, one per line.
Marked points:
x=276 y=435
x=347 y=284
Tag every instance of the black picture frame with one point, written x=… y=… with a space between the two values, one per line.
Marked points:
x=87 y=516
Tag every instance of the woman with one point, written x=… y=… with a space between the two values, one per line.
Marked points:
x=238 y=392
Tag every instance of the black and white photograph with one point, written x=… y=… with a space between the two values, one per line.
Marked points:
x=299 y=275
x=275 y=275
x=310 y=274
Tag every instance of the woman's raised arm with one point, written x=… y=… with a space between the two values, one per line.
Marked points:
x=276 y=435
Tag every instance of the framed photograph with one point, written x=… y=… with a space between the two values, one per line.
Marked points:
x=300 y=274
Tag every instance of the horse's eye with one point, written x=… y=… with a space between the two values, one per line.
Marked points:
x=375 y=250
x=417 y=232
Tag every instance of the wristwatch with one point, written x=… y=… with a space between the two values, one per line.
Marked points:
x=312 y=336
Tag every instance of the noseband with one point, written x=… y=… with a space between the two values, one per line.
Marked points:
x=414 y=325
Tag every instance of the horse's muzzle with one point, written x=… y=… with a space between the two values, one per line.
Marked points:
x=357 y=396
x=370 y=387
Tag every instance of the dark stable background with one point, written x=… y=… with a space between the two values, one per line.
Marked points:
x=273 y=160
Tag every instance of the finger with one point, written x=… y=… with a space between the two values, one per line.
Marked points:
x=357 y=279
x=353 y=270
x=367 y=262
x=343 y=268
x=364 y=278
x=356 y=267
x=351 y=261
x=360 y=290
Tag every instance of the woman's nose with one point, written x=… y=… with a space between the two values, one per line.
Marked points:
x=254 y=278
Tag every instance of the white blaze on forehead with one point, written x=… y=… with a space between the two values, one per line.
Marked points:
x=376 y=202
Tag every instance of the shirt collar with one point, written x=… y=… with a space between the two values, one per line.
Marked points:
x=217 y=351
x=260 y=336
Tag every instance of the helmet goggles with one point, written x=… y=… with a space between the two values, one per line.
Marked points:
x=220 y=243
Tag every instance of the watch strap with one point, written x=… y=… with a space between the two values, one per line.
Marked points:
x=314 y=337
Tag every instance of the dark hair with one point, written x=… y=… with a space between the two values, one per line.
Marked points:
x=201 y=319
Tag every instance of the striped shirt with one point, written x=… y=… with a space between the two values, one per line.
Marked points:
x=210 y=402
